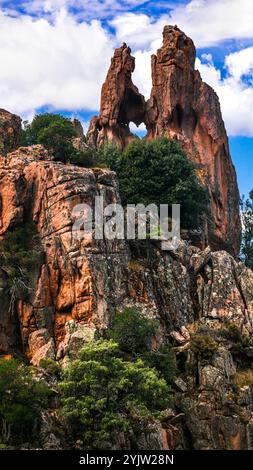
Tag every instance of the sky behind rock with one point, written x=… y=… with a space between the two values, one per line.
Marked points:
x=54 y=54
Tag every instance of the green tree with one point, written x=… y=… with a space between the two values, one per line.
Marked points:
x=57 y=138
x=132 y=331
x=163 y=359
x=103 y=394
x=56 y=133
x=20 y=256
x=53 y=131
x=203 y=346
x=247 y=234
x=21 y=401
x=159 y=172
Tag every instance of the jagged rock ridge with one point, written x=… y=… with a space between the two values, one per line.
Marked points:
x=181 y=107
x=79 y=284
x=121 y=103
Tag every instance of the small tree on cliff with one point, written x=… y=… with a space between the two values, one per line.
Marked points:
x=20 y=256
x=247 y=235
x=21 y=400
x=159 y=172
x=56 y=133
x=104 y=394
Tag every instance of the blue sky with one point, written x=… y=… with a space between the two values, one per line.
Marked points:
x=54 y=56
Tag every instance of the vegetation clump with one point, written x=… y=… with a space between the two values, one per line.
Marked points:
x=158 y=172
x=22 y=398
x=104 y=394
x=57 y=134
x=203 y=346
x=132 y=331
x=20 y=253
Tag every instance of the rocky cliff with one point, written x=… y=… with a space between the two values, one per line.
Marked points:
x=121 y=103
x=10 y=131
x=79 y=284
x=181 y=107
x=185 y=108
x=202 y=298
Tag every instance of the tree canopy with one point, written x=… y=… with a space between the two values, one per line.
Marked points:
x=247 y=234
x=159 y=172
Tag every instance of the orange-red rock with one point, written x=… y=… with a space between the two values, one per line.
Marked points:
x=78 y=285
x=181 y=107
x=185 y=108
x=10 y=131
x=121 y=103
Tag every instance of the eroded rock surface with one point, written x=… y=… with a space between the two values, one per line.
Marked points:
x=121 y=103
x=181 y=107
x=10 y=131
x=185 y=108
x=79 y=284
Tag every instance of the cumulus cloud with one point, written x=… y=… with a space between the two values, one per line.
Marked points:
x=240 y=63
x=60 y=64
x=235 y=95
x=85 y=9
x=208 y=22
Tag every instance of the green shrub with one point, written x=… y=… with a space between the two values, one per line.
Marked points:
x=56 y=133
x=203 y=346
x=159 y=172
x=132 y=331
x=103 y=394
x=232 y=333
x=163 y=359
x=109 y=156
x=20 y=253
x=21 y=401
x=51 y=367
x=247 y=234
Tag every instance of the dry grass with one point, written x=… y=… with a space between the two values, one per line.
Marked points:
x=135 y=266
x=244 y=377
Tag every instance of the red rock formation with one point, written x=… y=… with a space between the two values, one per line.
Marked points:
x=185 y=108
x=10 y=131
x=121 y=103
x=78 y=284
x=73 y=283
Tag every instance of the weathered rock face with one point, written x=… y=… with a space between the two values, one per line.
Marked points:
x=10 y=131
x=185 y=108
x=181 y=107
x=80 y=283
x=79 y=141
x=121 y=103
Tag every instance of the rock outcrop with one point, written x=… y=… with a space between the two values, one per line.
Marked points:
x=79 y=142
x=181 y=107
x=10 y=132
x=121 y=103
x=78 y=280
x=185 y=108
x=78 y=284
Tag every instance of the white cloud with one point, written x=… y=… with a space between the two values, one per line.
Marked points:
x=137 y=130
x=240 y=63
x=85 y=9
x=61 y=64
x=208 y=22
x=142 y=74
x=236 y=97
